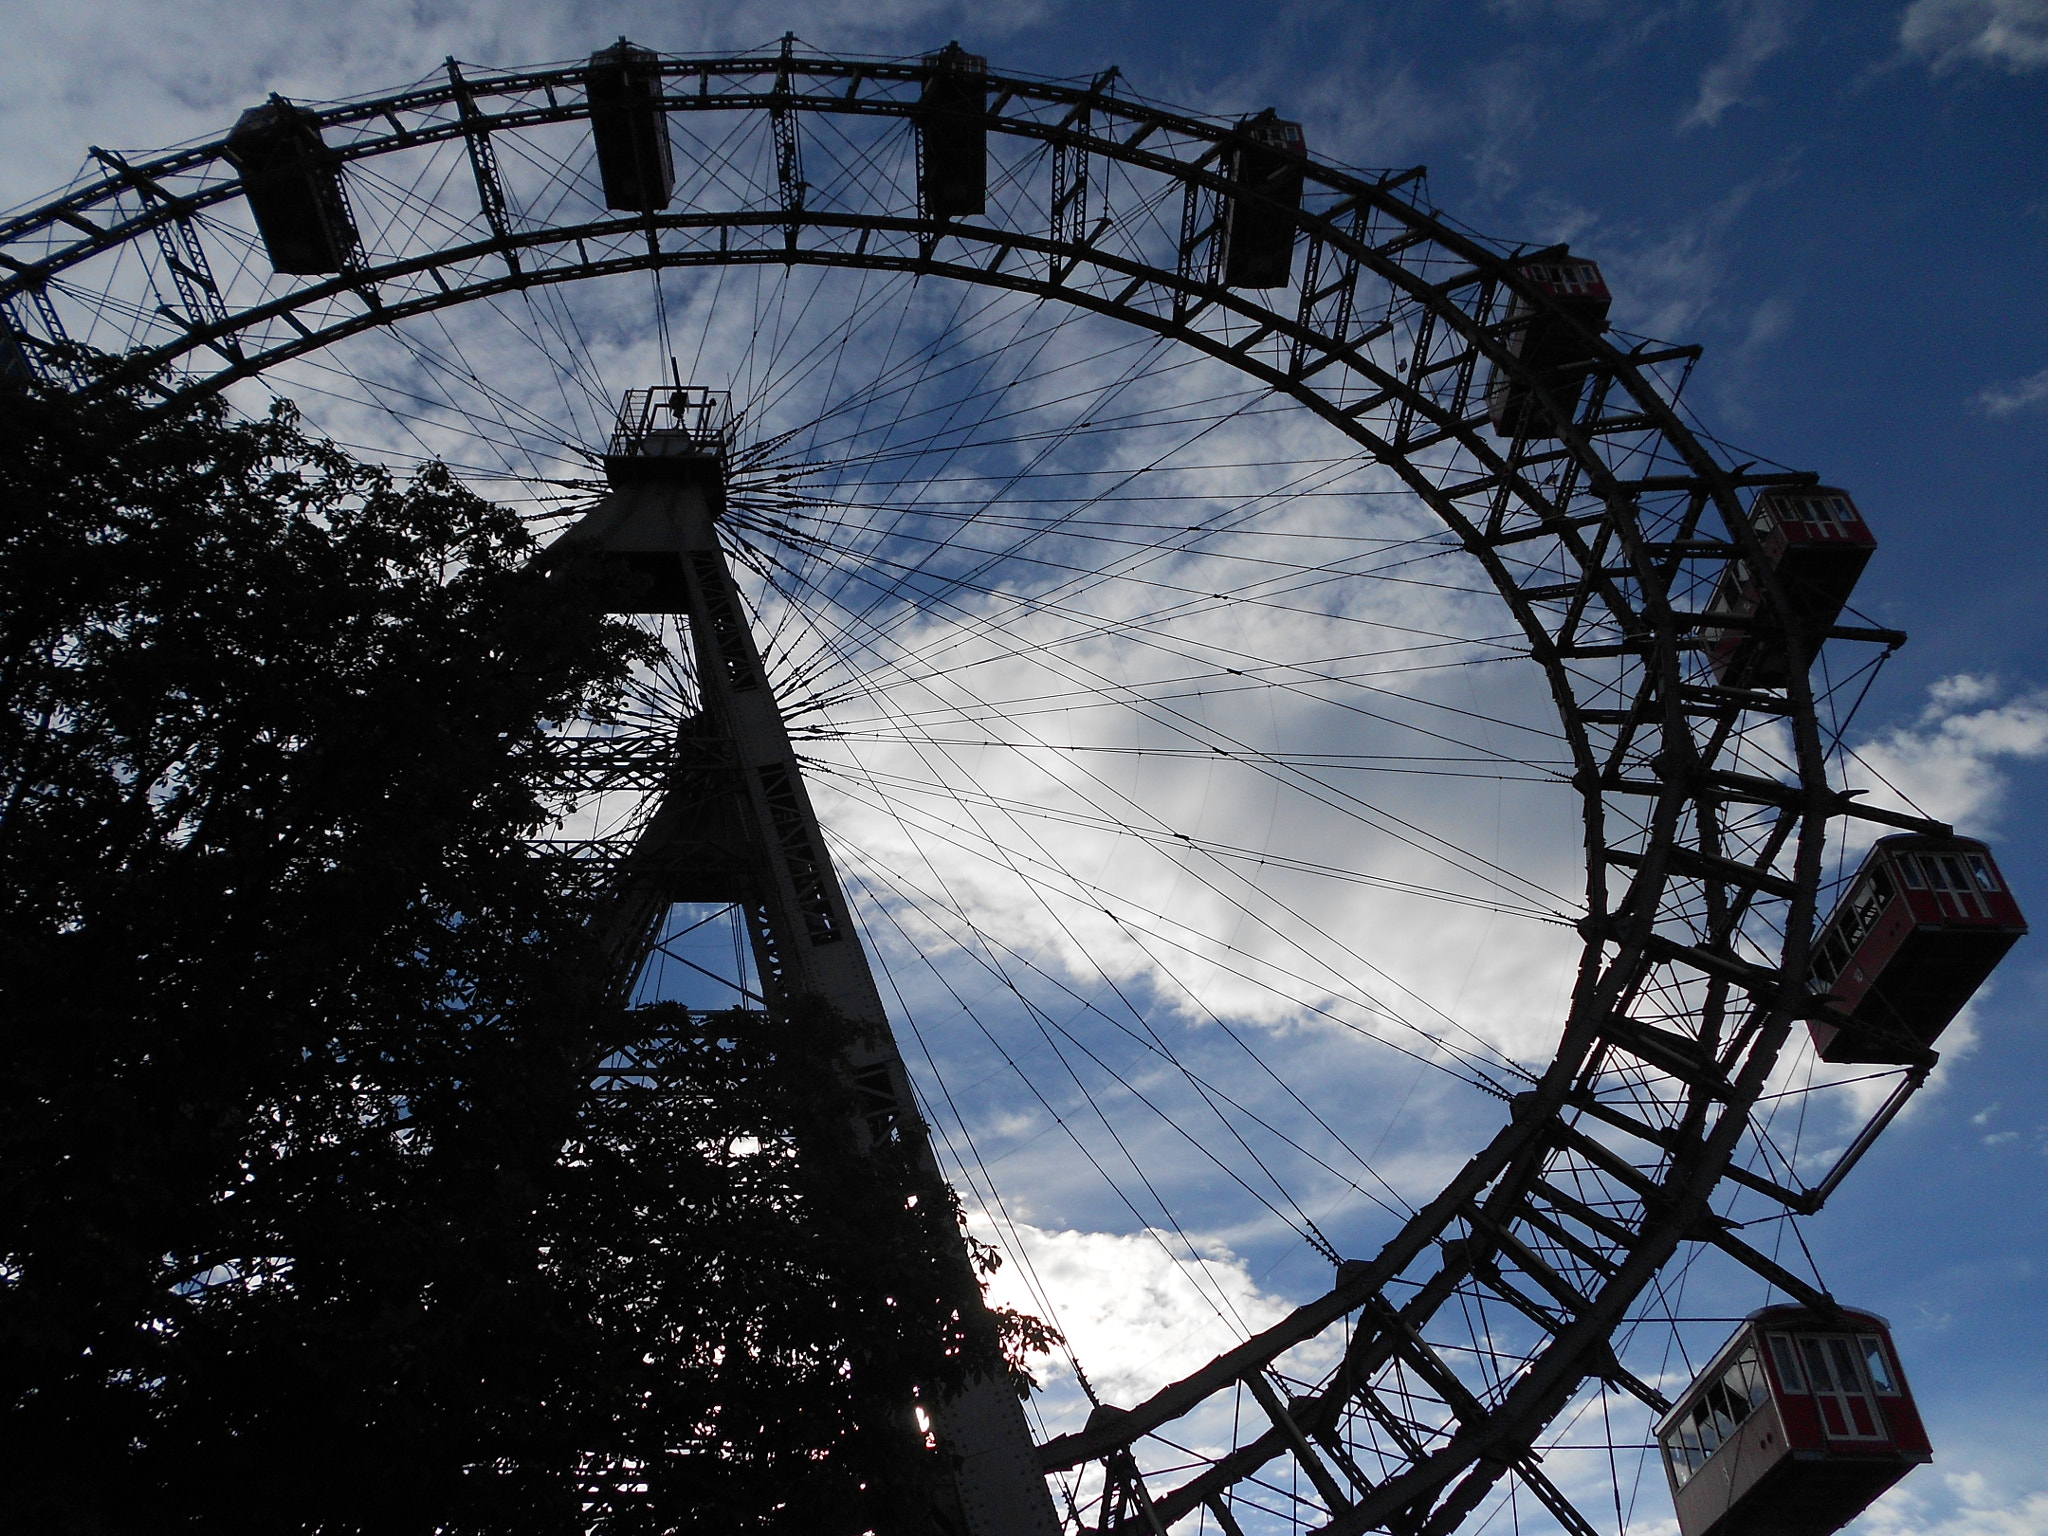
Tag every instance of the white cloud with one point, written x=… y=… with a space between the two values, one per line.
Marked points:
x=1674 y=274
x=1137 y=1310
x=2010 y=34
x=1957 y=1504
x=1140 y=1313
x=1946 y=695
x=1951 y=762
x=2002 y=400
x=1671 y=278
x=1763 y=30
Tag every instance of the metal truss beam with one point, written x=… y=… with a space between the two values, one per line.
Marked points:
x=483 y=165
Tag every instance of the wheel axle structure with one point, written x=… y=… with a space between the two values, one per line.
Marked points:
x=1603 y=528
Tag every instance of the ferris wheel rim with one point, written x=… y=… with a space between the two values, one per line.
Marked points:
x=1661 y=637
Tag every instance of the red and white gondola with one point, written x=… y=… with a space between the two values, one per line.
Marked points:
x=1794 y=1428
x=1924 y=922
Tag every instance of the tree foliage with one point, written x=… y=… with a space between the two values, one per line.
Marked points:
x=309 y=1217
x=833 y=1296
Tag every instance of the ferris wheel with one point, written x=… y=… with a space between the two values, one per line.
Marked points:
x=1205 y=596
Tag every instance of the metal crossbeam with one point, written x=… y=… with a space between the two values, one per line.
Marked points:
x=183 y=256
x=26 y=350
x=483 y=164
x=790 y=186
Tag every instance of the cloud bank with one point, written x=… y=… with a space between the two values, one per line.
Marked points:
x=2000 y=401
x=1953 y=761
x=1763 y=30
x=2004 y=34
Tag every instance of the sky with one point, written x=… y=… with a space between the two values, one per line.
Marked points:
x=1845 y=204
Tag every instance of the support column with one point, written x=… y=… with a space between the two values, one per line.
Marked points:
x=753 y=839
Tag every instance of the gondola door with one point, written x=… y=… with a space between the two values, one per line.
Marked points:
x=1848 y=1407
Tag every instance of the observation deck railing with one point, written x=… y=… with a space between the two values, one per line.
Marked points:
x=673 y=420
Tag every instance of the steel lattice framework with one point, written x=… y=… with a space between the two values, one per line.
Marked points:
x=1603 y=543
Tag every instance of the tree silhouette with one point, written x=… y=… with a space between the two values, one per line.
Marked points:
x=311 y=1217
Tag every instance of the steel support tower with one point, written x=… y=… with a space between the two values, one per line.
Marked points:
x=735 y=825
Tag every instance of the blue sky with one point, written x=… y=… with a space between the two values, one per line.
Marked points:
x=1847 y=204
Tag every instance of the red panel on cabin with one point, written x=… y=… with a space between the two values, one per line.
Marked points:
x=1570 y=278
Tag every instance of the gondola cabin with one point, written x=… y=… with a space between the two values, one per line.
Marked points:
x=1270 y=161
x=629 y=125
x=1544 y=334
x=293 y=184
x=1817 y=544
x=1924 y=922
x=952 y=128
x=1796 y=1425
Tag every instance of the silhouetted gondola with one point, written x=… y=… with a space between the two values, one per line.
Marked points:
x=952 y=134
x=1817 y=543
x=1258 y=241
x=630 y=128
x=293 y=185
x=1548 y=339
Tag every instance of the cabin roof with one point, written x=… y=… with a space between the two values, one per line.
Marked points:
x=1777 y=492
x=1914 y=842
x=1792 y=1315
